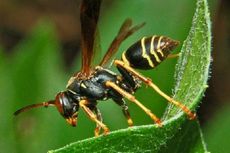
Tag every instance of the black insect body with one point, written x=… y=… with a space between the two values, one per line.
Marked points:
x=87 y=87
x=94 y=88
x=149 y=52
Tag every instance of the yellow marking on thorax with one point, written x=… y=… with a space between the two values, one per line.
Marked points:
x=152 y=51
x=71 y=80
x=144 y=54
x=158 y=46
x=83 y=85
x=71 y=91
x=124 y=58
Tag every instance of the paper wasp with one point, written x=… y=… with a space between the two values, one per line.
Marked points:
x=91 y=84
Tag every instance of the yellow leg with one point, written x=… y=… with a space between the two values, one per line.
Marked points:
x=93 y=117
x=129 y=119
x=133 y=99
x=99 y=117
x=151 y=84
x=174 y=55
x=97 y=131
x=125 y=110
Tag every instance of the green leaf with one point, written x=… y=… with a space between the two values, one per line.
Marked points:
x=192 y=70
x=144 y=139
x=177 y=134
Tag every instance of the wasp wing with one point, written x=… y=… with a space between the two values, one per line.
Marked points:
x=89 y=14
x=125 y=31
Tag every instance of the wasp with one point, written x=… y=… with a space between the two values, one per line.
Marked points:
x=92 y=84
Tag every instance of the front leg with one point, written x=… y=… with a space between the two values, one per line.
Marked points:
x=99 y=117
x=92 y=116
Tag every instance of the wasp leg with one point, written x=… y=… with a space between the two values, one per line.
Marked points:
x=174 y=55
x=99 y=117
x=133 y=99
x=125 y=110
x=149 y=82
x=92 y=116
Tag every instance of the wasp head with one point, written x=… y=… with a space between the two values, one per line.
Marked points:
x=66 y=103
x=67 y=106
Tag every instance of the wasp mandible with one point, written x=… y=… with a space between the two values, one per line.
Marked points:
x=92 y=84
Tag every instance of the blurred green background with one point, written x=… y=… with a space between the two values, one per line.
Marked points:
x=40 y=50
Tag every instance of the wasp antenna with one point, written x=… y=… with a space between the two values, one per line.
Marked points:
x=26 y=108
x=141 y=25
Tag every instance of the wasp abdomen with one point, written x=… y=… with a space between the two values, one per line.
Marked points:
x=149 y=52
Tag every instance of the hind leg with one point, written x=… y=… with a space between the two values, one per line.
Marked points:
x=149 y=82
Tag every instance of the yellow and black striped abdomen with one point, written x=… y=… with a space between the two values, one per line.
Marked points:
x=149 y=52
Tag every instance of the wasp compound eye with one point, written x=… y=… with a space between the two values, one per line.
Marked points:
x=67 y=107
